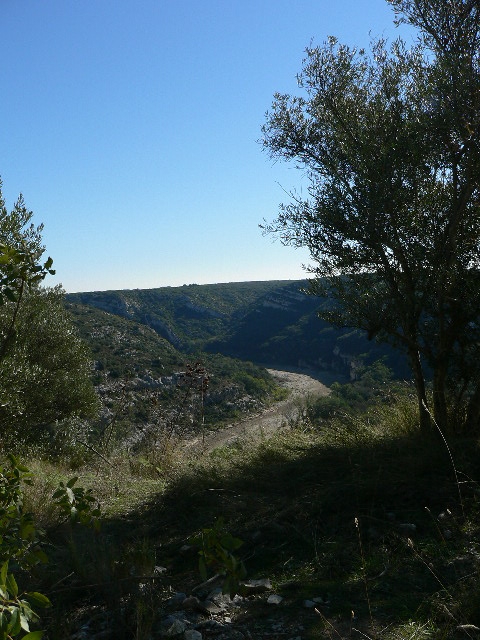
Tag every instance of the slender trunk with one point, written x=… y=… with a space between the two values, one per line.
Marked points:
x=473 y=411
x=440 y=411
x=419 y=380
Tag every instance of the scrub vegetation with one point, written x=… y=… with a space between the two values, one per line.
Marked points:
x=357 y=517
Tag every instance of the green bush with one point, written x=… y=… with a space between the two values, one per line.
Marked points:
x=20 y=547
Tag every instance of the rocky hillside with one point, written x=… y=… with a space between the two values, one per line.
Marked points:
x=273 y=323
x=146 y=384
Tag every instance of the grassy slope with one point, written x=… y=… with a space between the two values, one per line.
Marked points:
x=294 y=500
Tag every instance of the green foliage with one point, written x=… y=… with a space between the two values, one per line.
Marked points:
x=216 y=552
x=20 y=252
x=30 y=350
x=253 y=386
x=19 y=539
x=46 y=371
x=391 y=214
x=77 y=504
x=372 y=383
x=16 y=613
x=121 y=346
x=18 y=266
x=19 y=543
x=364 y=405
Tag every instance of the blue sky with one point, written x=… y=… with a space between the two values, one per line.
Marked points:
x=131 y=128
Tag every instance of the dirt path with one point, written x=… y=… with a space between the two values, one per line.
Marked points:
x=301 y=386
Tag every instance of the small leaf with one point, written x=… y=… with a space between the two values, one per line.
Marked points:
x=27 y=530
x=38 y=599
x=24 y=622
x=27 y=611
x=72 y=481
x=14 y=626
x=41 y=556
x=3 y=573
x=33 y=635
x=12 y=459
x=12 y=585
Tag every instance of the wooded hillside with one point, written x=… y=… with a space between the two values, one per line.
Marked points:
x=273 y=323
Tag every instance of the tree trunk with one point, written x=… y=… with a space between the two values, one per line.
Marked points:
x=419 y=380
x=440 y=411
x=473 y=411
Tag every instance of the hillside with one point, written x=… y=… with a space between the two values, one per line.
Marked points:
x=273 y=323
x=186 y=316
x=146 y=385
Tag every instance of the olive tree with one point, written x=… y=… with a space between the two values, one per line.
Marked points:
x=46 y=374
x=389 y=141
x=42 y=358
x=44 y=366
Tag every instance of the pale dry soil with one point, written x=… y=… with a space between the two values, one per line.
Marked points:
x=282 y=414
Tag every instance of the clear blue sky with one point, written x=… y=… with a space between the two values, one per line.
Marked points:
x=131 y=128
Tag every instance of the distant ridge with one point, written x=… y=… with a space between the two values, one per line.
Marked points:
x=261 y=321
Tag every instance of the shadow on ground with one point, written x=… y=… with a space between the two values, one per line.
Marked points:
x=376 y=527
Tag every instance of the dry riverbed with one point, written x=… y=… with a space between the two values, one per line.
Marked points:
x=281 y=414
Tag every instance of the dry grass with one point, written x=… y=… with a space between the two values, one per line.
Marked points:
x=295 y=500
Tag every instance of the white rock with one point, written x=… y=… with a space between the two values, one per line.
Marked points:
x=159 y=570
x=257 y=586
x=274 y=599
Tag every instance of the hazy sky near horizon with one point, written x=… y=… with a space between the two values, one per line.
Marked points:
x=131 y=128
